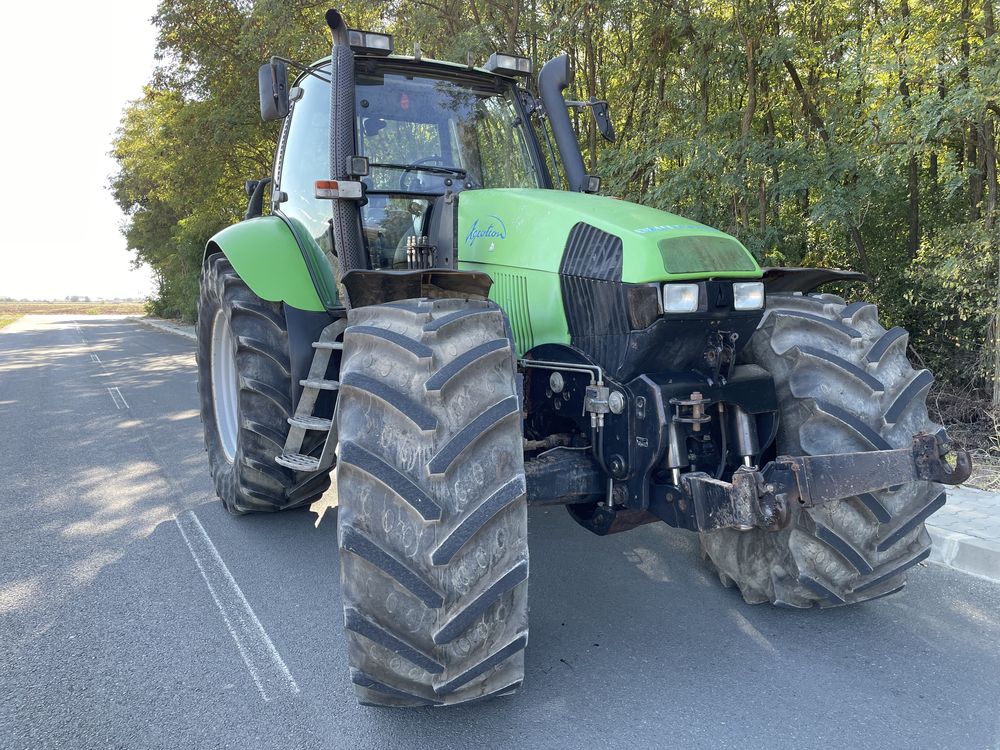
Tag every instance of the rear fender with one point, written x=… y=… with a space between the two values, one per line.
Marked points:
x=278 y=263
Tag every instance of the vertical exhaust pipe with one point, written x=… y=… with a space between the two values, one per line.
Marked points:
x=347 y=243
x=552 y=80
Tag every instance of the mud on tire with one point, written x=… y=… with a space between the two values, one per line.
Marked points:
x=250 y=480
x=844 y=384
x=432 y=510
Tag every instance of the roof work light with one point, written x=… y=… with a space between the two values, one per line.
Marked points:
x=370 y=43
x=511 y=64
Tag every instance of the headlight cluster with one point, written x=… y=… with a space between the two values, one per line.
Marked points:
x=682 y=298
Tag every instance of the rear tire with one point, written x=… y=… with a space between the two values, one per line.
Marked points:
x=844 y=384
x=246 y=428
x=432 y=509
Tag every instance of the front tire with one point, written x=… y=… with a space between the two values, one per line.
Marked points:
x=244 y=385
x=844 y=384
x=432 y=508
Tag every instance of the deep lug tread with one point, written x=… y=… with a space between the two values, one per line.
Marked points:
x=464 y=618
x=354 y=620
x=446 y=320
x=262 y=349
x=836 y=325
x=490 y=507
x=252 y=481
x=875 y=505
x=917 y=388
x=418 y=414
x=503 y=654
x=269 y=470
x=415 y=348
x=362 y=680
x=352 y=454
x=854 y=549
x=282 y=400
x=881 y=576
x=872 y=382
x=855 y=423
x=264 y=432
x=354 y=541
x=844 y=548
x=265 y=314
x=825 y=591
x=400 y=524
x=850 y=312
x=471 y=434
x=884 y=343
x=446 y=374
x=912 y=522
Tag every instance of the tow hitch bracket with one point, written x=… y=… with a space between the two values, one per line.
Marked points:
x=762 y=498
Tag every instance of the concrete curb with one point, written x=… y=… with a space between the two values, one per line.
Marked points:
x=166 y=325
x=965 y=553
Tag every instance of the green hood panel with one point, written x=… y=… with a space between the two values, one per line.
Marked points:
x=267 y=257
x=528 y=228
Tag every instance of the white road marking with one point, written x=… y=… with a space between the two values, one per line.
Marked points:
x=95 y=358
x=755 y=635
x=118 y=398
x=268 y=670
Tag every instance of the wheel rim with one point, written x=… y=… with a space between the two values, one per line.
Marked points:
x=225 y=391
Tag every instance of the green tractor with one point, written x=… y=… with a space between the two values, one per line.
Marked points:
x=422 y=311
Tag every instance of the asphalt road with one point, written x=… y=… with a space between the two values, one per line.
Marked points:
x=119 y=626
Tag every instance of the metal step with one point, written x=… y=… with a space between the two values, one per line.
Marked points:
x=297 y=462
x=331 y=345
x=311 y=423
x=323 y=385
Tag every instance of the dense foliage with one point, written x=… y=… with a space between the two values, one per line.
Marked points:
x=852 y=133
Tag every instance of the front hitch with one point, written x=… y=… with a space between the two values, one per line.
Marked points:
x=763 y=498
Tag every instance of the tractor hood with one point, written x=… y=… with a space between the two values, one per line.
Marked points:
x=530 y=229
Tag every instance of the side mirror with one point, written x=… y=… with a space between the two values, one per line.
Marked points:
x=604 y=126
x=272 y=80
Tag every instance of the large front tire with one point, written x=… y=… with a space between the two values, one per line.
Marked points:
x=844 y=384
x=244 y=384
x=432 y=509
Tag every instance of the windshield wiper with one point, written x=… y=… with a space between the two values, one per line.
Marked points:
x=432 y=168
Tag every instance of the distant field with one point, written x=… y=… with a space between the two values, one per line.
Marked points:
x=11 y=311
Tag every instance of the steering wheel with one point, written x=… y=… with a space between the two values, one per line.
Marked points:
x=406 y=178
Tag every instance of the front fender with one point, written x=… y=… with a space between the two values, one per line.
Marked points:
x=266 y=255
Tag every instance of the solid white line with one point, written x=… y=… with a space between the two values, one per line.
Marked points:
x=268 y=670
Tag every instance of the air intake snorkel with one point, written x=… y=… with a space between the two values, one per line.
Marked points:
x=552 y=80
x=347 y=243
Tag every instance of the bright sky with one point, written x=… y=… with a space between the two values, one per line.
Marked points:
x=73 y=66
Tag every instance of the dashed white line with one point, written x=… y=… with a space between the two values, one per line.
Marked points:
x=268 y=670
x=117 y=398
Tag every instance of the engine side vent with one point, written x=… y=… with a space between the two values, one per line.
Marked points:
x=510 y=290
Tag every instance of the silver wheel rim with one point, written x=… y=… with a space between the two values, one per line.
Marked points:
x=224 y=385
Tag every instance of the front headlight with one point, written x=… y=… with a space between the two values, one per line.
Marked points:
x=748 y=295
x=679 y=298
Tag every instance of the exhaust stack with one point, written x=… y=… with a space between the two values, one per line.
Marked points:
x=347 y=243
x=552 y=80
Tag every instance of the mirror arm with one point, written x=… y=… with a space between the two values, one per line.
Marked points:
x=311 y=70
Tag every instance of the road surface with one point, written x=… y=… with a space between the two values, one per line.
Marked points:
x=135 y=613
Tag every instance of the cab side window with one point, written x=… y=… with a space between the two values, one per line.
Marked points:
x=305 y=159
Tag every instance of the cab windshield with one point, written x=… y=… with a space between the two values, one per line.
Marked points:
x=425 y=135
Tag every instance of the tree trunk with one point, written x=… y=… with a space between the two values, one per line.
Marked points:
x=913 y=174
